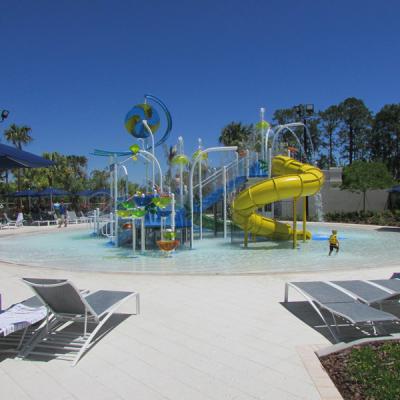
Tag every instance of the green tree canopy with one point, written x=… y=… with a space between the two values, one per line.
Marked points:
x=330 y=121
x=355 y=127
x=362 y=176
x=18 y=136
x=236 y=134
x=385 y=139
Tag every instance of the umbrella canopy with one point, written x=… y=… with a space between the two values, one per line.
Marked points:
x=93 y=193
x=85 y=193
x=25 y=193
x=395 y=189
x=100 y=192
x=10 y=157
x=52 y=192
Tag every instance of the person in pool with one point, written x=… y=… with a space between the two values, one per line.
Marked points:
x=333 y=242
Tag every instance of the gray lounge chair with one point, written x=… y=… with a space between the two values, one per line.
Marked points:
x=66 y=307
x=328 y=297
x=19 y=322
x=370 y=292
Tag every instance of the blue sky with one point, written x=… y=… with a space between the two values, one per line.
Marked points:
x=72 y=69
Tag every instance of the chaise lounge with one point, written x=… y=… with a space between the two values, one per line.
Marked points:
x=349 y=300
x=68 y=309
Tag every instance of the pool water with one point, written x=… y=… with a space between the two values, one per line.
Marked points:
x=78 y=250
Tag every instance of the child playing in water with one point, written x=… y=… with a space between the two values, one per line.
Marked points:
x=333 y=242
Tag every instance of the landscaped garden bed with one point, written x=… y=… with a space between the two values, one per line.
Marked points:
x=387 y=218
x=369 y=371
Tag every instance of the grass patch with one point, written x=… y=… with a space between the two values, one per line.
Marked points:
x=370 y=371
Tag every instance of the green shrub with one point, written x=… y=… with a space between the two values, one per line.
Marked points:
x=387 y=217
x=376 y=371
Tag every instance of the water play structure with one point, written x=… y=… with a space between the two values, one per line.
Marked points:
x=201 y=197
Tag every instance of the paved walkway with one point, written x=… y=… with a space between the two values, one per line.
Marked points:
x=197 y=338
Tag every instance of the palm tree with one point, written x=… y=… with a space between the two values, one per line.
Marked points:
x=18 y=136
x=236 y=134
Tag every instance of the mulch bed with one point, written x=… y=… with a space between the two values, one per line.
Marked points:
x=336 y=366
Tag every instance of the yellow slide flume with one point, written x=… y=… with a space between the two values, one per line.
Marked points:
x=291 y=179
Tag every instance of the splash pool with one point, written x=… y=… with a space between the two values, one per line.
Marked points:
x=77 y=250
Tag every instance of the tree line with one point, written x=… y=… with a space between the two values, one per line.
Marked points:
x=68 y=173
x=341 y=134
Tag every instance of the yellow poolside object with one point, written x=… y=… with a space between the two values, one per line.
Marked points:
x=291 y=179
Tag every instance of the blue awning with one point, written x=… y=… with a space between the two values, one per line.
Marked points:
x=53 y=192
x=25 y=193
x=394 y=189
x=10 y=157
x=93 y=193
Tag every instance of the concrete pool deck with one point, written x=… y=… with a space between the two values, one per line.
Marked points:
x=197 y=337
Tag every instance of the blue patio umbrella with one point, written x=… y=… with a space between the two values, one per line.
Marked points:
x=25 y=193
x=10 y=157
x=395 y=189
x=50 y=192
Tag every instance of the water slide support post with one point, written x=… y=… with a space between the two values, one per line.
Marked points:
x=294 y=222
x=304 y=218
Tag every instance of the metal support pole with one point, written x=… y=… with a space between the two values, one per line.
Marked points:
x=181 y=185
x=162 y=227
x=180 y=141
x=112 y=226
x=134 y=236
x=305 y=146
x=247 y=164
x=142 y=236
x=270 y=176
x=116 y=199
x=200 y=202
x=294 y=222
x=173 y=212
x=97 y=220
x=153 y=171
x=304 y=218
x=225 y=202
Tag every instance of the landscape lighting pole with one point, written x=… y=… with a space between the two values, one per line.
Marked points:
x=262 y=112
x=3 y=116
x=304 y=111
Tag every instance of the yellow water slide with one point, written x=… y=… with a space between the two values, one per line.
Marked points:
x=291 y=179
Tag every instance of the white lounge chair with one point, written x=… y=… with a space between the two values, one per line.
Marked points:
x=11 y=223
x=72 y=218
x=66 y=308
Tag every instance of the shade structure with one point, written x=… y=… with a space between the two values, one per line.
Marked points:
x=10 y=157
x=93 y=193
x=51 y=192
x=394 y=189
x=25 y=193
